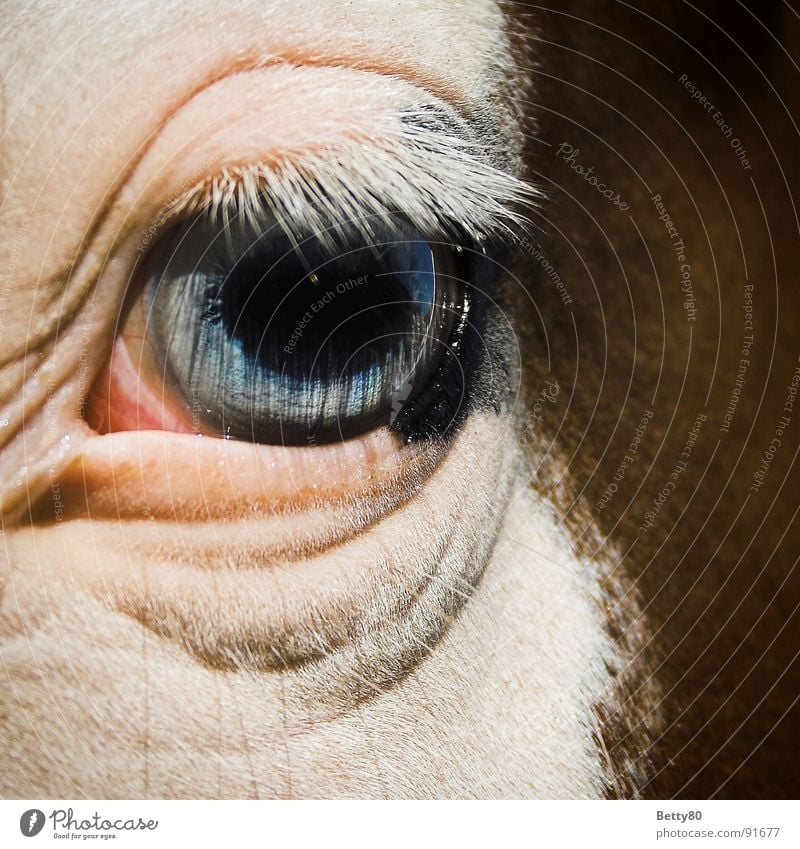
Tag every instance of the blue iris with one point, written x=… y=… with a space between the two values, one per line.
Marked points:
x=291 y=343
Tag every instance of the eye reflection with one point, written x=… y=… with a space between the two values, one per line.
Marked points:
x=279 y=343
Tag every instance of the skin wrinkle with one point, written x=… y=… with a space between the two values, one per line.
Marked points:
x=317 y=728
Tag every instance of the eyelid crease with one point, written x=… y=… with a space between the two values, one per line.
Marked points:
x=425 y=164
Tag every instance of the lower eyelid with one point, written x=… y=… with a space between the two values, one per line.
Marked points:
x=160 y=474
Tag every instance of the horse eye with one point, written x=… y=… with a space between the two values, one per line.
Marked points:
x=288 y=342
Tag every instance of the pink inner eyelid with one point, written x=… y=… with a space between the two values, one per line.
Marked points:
x=121 y=400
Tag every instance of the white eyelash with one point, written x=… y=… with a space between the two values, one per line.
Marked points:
x=416 y=164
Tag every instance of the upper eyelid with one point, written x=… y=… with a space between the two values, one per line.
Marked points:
x=482 y=197
x=475 y=195
x=445 y=173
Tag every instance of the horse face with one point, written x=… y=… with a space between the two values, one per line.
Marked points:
x=367 y=404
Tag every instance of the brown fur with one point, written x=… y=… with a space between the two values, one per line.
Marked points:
x=716 y=576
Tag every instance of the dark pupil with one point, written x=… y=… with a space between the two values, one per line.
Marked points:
x=344 y=315
x=300 y=345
